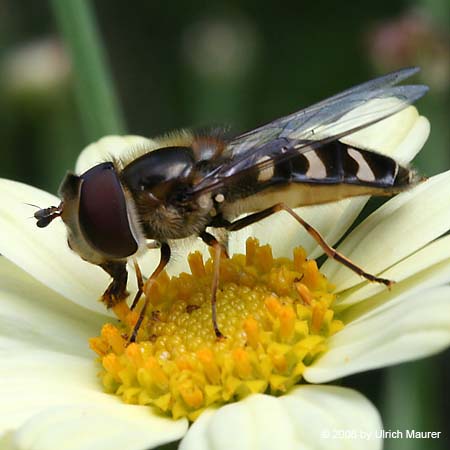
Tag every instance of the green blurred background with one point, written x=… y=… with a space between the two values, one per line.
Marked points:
x=72 y=71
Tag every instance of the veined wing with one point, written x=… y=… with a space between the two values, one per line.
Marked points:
x=320 y=117
x=326 y=121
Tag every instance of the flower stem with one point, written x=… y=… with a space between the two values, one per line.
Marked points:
x=96 y=97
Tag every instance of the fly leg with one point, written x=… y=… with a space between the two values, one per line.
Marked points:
x=330 y=251
x=219 y=249
x=116 y=292
x=140 y=284
x=164 y=259
x=139 y=278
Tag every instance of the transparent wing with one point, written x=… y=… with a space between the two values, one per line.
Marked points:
x=328 y=120
x=324 y=116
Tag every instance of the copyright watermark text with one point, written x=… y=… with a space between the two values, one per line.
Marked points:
x=378 y=434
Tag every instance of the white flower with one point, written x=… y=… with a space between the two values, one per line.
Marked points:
x=51 y=398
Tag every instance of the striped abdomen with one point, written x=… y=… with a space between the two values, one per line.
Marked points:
x=313 y=176
x=336 y=163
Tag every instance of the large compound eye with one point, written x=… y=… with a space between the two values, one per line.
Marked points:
x=103 y=214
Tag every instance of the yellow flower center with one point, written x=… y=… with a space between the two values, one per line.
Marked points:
x=275 y=313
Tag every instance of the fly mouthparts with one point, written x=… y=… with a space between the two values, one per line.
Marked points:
x=46 y=215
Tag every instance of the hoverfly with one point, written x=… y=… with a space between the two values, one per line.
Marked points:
x=192 y=183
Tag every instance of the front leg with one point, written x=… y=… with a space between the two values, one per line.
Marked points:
x=164 y=260
x=116 y=292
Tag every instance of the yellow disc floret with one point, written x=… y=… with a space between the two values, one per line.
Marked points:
x=276 y=315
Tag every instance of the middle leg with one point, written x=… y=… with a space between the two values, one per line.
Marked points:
x=219 y=249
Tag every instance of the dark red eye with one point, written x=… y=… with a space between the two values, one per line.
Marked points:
x=103 y=214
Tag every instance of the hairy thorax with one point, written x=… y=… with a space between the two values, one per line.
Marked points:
x=171 y=221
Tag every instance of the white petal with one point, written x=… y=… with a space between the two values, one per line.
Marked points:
x=89 y=427
x=314 y=409
x=43 y=252
x=42 y=379
x=412 y=143
x=416 y=327
x=107 y=148
x=430 y=264
x=396 y=230
x=423 y=281
x=429 y=279
x=33 y=315
x=309 y=417
x=55 y=388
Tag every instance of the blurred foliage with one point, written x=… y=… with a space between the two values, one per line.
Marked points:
x=242 y=63
x=197 y=64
